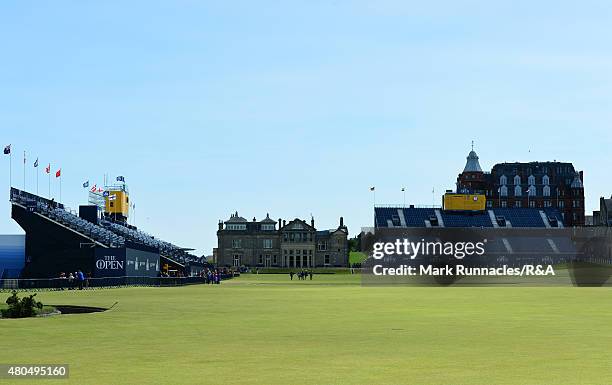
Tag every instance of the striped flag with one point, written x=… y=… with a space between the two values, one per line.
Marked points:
x=36 y=163
x=7 y=149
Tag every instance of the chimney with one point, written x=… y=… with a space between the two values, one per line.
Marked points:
x=279 y=223
x=312 y=221
x=220 y=225
x=341 y=222
x=284 y=222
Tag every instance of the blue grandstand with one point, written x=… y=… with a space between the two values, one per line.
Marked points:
x=409 y=217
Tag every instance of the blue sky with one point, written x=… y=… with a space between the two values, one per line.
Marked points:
x=295 y=108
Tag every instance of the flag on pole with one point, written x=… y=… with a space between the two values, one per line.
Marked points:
x=24 y=157
x=120 y=178
x=86 y=184
x=93 y=189
x=372 y=188
x=36 y=163
x=48 y=168
x=403 y=189
x=100 y=189
x=58 y=173
x=7 y=150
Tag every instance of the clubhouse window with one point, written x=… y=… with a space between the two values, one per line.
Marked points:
x=517 y=204
x=267 y=243
x=326 y=260
x=236 y=243
x=260 y=259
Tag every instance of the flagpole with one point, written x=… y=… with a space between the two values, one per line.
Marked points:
x=433 y=197
x=11 y=168
x=60 y=180
x=24 y=164
x=36 y=178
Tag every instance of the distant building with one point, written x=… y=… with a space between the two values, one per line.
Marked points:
x=527 y=185
x=603 y=217
x=270 y=243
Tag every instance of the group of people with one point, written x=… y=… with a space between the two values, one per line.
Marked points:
x=211 y=276
x=75 y=280
x=301 y=275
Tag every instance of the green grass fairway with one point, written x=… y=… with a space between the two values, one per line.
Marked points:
x=266 y=330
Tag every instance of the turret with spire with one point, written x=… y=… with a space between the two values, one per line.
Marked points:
x=471 y=180
x=472 y=164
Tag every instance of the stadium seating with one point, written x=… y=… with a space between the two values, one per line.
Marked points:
x=510 y=217
x=466 y=220
x=521 y=217
x=165 y=248
x=60 y=215
x=554 y=213
x=414 y=217
x=417 y=216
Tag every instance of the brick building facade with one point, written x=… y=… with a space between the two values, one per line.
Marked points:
x=532 y=184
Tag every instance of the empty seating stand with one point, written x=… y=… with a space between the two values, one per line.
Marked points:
x=505 y=217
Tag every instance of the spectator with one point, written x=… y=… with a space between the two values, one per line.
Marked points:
x=80 y=279
x=70 y=281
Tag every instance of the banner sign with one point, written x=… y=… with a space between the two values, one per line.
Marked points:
x=110 y=262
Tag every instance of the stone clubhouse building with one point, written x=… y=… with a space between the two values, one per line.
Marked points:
x=288 y=244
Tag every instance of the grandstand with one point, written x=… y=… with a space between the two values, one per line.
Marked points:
x=59 y=240
x=407 y=217
x=514 y=235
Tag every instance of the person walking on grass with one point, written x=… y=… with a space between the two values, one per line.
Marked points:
x=291 y=275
